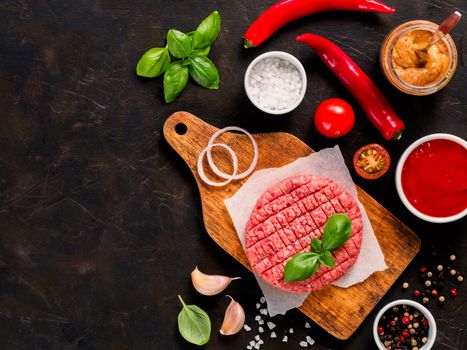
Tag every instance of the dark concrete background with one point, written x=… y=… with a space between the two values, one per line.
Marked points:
x=100 y=220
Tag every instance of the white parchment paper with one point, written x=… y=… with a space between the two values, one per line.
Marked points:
x=327 y=163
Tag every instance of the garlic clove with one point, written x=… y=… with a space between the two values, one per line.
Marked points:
x=234 y=318
x=209 y=284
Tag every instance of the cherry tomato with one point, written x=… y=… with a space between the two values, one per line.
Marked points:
x=334 y=117
x=371 y=161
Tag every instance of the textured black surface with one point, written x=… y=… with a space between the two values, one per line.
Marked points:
x=100 y=220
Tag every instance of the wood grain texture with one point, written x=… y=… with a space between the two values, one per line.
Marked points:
x=339 y=311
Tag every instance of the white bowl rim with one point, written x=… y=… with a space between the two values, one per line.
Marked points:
x=288 y=57
x=400 y=165
x=429 y=316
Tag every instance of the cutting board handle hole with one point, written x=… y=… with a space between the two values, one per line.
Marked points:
x=181 y=129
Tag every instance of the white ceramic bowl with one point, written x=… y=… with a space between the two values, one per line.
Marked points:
x=400 y=191
x=287 y=57
x=431 y=321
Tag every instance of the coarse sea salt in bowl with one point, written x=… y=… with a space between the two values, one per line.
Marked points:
x=275 y=82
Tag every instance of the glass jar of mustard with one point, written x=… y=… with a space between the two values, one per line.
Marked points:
x=412 y=71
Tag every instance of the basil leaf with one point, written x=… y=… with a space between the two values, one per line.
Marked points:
x=153 y=63
x=316 y=245
x=204 y=72
x=194 y=324
x=207 y=31
x=179 y=43
x=301 y=267
x=175 y=79
x=186 y=61
x=336 y=232
x=327 y=259
x=200 y=52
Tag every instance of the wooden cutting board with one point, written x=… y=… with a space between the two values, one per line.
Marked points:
x=339 y=311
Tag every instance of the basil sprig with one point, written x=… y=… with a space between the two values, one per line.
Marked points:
x=191 y=49
x=304 y=265
x=194 y=324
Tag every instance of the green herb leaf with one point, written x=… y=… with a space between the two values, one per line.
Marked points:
x=207 y=31
x=153 y=63
x=175 y=79
x=327 y=259
x=316 y=245
x=204 y=72
x=194 y=324
x=200 y=52
x=301 y=267
x=336 y=232
x=179 y=43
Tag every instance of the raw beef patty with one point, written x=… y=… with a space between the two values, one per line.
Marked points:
x=286 y=218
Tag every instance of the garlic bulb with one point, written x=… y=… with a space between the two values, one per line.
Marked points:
x=209 y=284
x=234 y=318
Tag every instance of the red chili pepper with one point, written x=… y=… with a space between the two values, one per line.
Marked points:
x=371 y=99
x=286 y=11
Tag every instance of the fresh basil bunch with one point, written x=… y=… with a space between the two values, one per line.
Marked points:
x=304 y=265
x=190 y=51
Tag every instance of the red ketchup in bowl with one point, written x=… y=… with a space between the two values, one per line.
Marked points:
x=434 y=178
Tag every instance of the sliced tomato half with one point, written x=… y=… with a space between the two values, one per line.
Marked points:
x=371 y=161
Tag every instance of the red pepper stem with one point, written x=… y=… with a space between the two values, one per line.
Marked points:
x=371 y=99
x=286 y=11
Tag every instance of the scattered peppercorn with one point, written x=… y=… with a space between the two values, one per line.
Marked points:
x=441 y=299
x=453 y=292
x=452 y=257
x=423 y=269
x=428 y=283
x=405 y=285
x=426 y=300
x=429 y=274
x=460 y=278
x=416 y=293
x=439 y=267
x=453 y=272
x=434 y=292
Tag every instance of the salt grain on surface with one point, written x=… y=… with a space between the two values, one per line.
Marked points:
x=261 y=329
x=303 y=344
x=257 y=317
x=257 y=337
x=258 y=305
x=262 y=300
x=246 y=327
x=307 y=325
x=263 y=311
x=271 y=325
x=273 y=335
x=284 y=340
x=257 y=346
x=260 y=322
x=249 y=347
x=275 y=83
x=291 y=330
x=310 y=340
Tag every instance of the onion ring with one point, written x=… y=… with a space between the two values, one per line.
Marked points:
x=203 y=176
x=216 y=170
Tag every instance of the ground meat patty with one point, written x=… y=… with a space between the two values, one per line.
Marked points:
x=286 y=218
